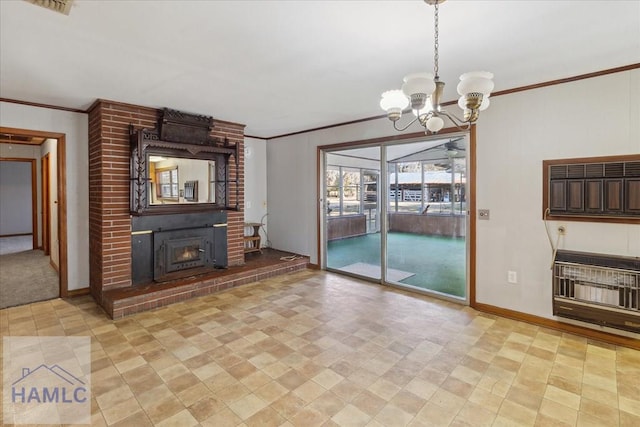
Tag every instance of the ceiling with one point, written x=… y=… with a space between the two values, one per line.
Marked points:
x=287 y=66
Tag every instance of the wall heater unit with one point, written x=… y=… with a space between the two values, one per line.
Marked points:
x=599 y=289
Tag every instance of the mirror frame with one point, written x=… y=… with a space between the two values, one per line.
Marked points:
x=146 y=142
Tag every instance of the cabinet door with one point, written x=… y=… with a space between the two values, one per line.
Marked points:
x=557 y=196
x=613 y=195
x=632 y=196
x=575 y=195
x=593 y=195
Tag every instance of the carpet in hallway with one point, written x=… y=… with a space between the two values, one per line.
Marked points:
x=26 y=277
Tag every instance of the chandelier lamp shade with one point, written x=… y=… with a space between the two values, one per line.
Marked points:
x=422 y=92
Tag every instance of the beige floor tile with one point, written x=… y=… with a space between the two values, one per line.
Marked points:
x=138 y=419
x=247 y=406
x=368 y=402
x=113 y=397
x=288 y=405
x=524 y=397
x=351 y=416
x=473 y=414
x=447 y=400
x=435 y=415
x=266 y=417
x=205 y=407
x=391 y=415
x=486 y=399
x=347 y=390
x=599 y=410
x=309 y=391
x=328 y=378
x=224 y=418
x=558 y=412
x=384 y=389
x=181 y=419
x=517 y=413
x=309 y=417
x=120 y=411
x=163 y=409
x=629 y=420
x=630 y=405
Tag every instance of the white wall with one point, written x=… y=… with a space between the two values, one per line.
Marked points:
x=255 y=184
x=15 y=198
x=594 y=117
x=75 y=127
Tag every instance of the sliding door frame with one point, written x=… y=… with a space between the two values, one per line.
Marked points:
x=408 y=138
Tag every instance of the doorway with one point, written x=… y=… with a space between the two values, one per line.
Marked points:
x=397 y=213
x=51 y=212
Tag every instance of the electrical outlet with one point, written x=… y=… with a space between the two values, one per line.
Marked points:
x=512 y=277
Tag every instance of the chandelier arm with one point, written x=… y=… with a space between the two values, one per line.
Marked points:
x=395 y=125
x=458 y=122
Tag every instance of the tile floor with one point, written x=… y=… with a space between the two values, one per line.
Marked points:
x=318 y=349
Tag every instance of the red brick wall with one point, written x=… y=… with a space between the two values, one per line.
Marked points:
x=109 y=218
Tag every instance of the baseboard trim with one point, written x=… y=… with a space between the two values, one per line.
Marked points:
x=559 y=326
x=311 y=266
x=54 y=266
x=78 y=292
x=16 y=235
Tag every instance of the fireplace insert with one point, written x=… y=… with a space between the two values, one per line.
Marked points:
x=168 y=247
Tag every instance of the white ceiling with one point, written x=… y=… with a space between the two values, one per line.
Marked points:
x=287 y=66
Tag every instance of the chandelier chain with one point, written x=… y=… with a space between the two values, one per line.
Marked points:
x=436 y=42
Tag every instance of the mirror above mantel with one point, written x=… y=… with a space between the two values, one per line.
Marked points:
x=189 y=172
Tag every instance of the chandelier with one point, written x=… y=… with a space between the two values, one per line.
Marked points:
x=423 y=92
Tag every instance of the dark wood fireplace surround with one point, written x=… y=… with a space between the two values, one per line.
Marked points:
x=129 y=236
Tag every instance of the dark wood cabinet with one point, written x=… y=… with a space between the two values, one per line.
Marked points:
x=593 y=195
x=575 y=195
x=632 y=193
x=604 y=188
x=558 y=195
x=613 y=195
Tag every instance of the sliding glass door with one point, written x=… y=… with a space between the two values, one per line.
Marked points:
x=352 y=225
x=397 y=214
x=427 y=217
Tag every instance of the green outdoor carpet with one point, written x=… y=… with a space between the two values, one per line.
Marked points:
x=438 y=263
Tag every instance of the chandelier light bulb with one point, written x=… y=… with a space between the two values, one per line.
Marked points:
x=394 y=99
x=418 y=83
x=435 y=123
x=476 y=81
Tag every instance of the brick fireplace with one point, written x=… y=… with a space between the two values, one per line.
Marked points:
x=110 y=220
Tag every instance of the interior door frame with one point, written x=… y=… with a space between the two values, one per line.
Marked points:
x=46 y=203
x=61 y=172
x=471 y=187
